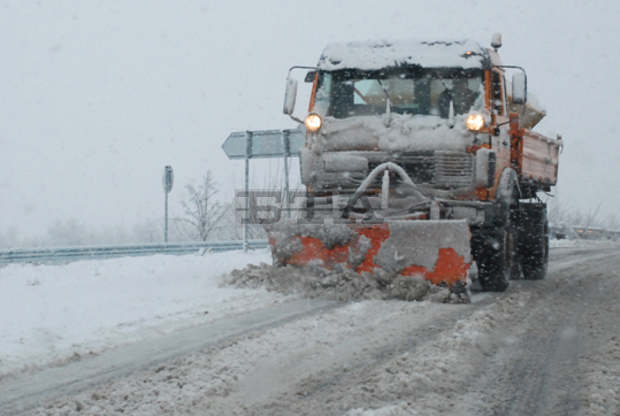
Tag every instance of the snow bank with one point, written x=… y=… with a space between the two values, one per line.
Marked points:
x=53 y=312
x=339 y=284
x=562 y=243
x=580 y=243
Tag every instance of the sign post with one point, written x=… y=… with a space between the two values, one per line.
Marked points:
x=167 y=182
x=286 y=144
x=261 y=144
x=248 y=154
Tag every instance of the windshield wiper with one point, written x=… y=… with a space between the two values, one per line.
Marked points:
x=388 y=107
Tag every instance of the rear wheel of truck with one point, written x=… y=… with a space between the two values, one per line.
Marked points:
x=534 y=240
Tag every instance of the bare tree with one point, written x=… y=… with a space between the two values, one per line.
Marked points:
x=202 y=212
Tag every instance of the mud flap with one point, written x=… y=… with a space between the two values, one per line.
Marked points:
x=437 y=250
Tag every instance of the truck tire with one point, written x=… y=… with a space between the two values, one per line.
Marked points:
x=495 y=245
x=493 y=248
x=533 y=240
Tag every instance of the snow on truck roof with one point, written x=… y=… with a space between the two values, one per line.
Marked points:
x=372 y=55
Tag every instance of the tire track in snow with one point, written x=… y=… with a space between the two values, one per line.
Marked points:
x=321 y=379
x=20 y=393
x=534 y=369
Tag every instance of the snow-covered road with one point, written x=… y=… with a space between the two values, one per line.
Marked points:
x=540 y=348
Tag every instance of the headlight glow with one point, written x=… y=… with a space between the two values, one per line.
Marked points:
x=313 y=122
x=474 y=122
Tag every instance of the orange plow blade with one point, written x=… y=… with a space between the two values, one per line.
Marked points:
x=437 y=250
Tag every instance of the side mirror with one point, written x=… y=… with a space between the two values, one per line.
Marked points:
x=519 y=88
x=289 y=96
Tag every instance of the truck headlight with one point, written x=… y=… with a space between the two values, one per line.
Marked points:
x=313 y=122
x=474 y=122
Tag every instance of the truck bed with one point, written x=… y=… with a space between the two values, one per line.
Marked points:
x=539 y=157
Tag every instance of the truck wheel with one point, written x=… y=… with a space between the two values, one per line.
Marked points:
x=493 y=272
x=534 y=241
x=494 y=248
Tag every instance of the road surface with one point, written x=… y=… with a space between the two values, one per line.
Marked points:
x=547 y=347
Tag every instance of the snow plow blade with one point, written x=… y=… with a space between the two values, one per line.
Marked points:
x=437 y=250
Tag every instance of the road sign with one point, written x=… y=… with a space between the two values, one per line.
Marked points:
x=168 y=178
x=264 y=144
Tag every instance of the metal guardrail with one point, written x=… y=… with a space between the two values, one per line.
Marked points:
x=68 y=254
x=586 y=233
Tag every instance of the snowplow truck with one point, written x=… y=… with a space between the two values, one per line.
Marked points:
x=419 y=159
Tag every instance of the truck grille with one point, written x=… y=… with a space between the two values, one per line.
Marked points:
x=453 y=169
x=440 y=168
x=419 y=165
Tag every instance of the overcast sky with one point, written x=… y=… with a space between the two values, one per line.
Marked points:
x=97 y=96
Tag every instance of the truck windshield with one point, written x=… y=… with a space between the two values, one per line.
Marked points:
x=347 y=93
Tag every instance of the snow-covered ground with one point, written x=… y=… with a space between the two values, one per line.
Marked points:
x=52 y=313
x=368 y=358
x=562 y=243
x=540 y=348
x=580 y=243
